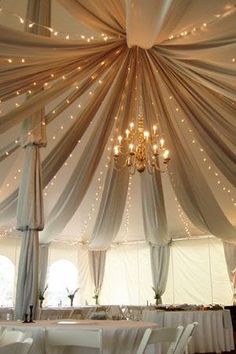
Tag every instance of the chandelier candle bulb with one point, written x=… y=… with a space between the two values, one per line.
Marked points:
x=162 y=142
x=131 y=126
x=116 y=150
x=127 y=133
x=131 y=149
x=146 y=135
x=154 y=129
x=155 y=149
x=119 y=139
x=166 y=155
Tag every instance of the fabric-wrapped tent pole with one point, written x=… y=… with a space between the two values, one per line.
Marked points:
x=153 y=206
x=156 y=232
x=30 y=218
x=160 y=256
x=97 y=260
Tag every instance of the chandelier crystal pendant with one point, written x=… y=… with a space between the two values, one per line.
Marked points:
x=141 y=150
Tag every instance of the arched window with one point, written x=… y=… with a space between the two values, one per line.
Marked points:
x=7 y=274
x=62 y=276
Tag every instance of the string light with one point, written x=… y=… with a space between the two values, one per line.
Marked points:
x=55 y=137
x=52 y=30
x=11 y=181
x=6 y=231
x=100 y=182
x=203 y=26
x=206 y=162
x=94 y=203
x=127 y=208
x=69 y=100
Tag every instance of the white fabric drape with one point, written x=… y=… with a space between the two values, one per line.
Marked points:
x=30 y=218
x=30 y=199
x=97 y=261
x=155 y=228
x=111 y=209
x=153 y=206
x=66 y=144
x=141 y=26
x=27 y=280
x=83 y=173
x=43 y=265
x=193 y=65
x=160 y=256
x=230 y=258
x=194 y=194
x=108 y=16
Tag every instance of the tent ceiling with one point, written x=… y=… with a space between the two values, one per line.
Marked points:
x=81 y=225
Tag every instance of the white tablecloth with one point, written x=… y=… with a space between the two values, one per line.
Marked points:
x=118 y=336
x=214 y=333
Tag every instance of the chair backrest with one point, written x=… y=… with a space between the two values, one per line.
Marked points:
x=22 y=347
x=185 y=338
x=160 y=335
x=74 y=337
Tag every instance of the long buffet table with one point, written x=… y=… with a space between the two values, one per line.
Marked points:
x=214 y=333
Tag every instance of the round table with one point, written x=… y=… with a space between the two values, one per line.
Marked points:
x=117 y=336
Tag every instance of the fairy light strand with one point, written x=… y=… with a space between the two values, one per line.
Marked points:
x=228 y=10
x=54 y=32
x=206 y=161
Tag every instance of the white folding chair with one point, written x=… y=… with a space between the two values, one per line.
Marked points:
x=182 y=345
x=21 y=347
x=160 y=335
x=75 y=337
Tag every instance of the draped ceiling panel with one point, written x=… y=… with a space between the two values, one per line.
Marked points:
x=184 y=54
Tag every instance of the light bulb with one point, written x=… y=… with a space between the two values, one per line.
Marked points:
x=162 y=142
x=116 y=150
x=166 y=154
x=146 y=134
x=131 y=125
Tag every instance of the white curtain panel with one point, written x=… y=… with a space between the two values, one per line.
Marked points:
x=128 y=277
x=198 y=273
x=205 y=282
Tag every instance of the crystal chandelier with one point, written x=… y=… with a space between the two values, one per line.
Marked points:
x=141 y=150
